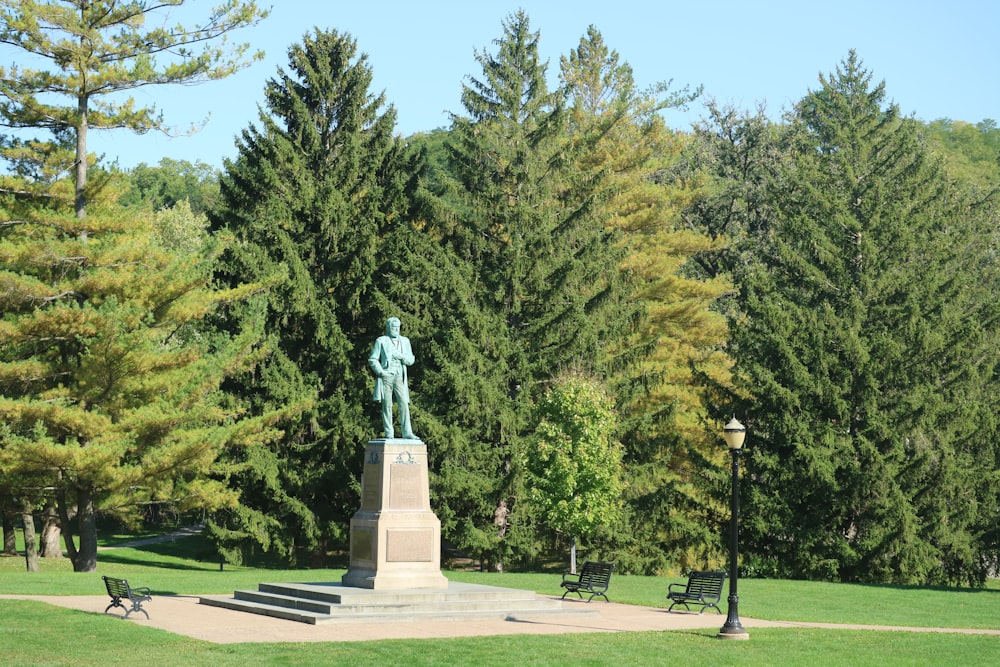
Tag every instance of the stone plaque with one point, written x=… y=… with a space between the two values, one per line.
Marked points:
x=371 y=491
x=410 y=545
x=405 y=486
x=361 y=544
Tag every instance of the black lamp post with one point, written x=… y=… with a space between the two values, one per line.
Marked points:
x=734 y=433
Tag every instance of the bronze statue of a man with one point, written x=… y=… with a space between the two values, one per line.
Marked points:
x=390 y=356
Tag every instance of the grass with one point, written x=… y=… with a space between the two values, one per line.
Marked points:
x=36 y=634
x=39 y=634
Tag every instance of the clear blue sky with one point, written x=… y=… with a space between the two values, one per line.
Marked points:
x=938 y=59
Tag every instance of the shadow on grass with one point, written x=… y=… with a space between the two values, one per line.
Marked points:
x=196 y=553
x=123 y=557
x=924 y=588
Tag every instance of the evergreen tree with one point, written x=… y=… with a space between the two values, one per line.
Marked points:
x=734 y=158
x=101 y=49
x=866 y=344
x=521 y=223
x=314 y=199
x=737 y=157
x=109 y=397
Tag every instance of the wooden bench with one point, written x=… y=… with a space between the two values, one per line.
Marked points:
x=594 y=578
x=704 y=588
x=119 y=590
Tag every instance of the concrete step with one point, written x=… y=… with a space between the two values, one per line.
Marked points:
x=384 y=607
x=301 y=616
x=347 y=595
x=322 y=603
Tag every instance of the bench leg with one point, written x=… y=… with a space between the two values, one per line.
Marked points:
x=136 y=606
x=115 y=603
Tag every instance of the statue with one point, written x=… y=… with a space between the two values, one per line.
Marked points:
x=390 y=356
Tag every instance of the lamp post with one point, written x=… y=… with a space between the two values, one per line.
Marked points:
x=734 y=433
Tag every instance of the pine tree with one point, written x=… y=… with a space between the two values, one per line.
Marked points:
x=101 y=49
x=865 y=341
x=520 y=221
x=733 y=158
x=737 y=157
x=313 y=200
x=110 y=397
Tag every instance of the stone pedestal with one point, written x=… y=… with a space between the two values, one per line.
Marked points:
x=395 y=536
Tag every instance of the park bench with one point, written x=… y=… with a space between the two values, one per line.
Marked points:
x=593 y=578
x=119 y=590
x=704 y=588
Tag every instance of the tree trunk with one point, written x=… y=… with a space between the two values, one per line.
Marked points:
x=500 y=521
x=9 y=534
x=66 y=516
x=80 y=201
x=51 y=533
x=30 y=551
x=572 y=555
x=86 y=556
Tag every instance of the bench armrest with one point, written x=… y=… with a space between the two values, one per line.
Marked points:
x=670 y=588
x=571 y=576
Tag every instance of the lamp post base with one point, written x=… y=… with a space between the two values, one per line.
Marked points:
x=732 y=633
x=733 y=628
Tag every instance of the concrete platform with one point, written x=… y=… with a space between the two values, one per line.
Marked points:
x=320 y=602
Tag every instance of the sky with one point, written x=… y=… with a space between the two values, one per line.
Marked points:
x=937 y=59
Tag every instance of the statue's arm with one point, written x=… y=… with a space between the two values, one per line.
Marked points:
x=407 y=353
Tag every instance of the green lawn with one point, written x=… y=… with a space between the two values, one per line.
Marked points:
x=35 y=634
x=39 y=634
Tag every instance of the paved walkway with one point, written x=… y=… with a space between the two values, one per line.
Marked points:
x=182 y=614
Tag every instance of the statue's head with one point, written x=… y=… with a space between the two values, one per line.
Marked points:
x=392 y=327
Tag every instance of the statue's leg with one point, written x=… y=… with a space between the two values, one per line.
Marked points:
x=404 y=420
x=387 y=413
x=403 y=400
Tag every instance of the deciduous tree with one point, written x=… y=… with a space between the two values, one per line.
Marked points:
x=573 y=463
x=621 y=132
x=170 y=182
